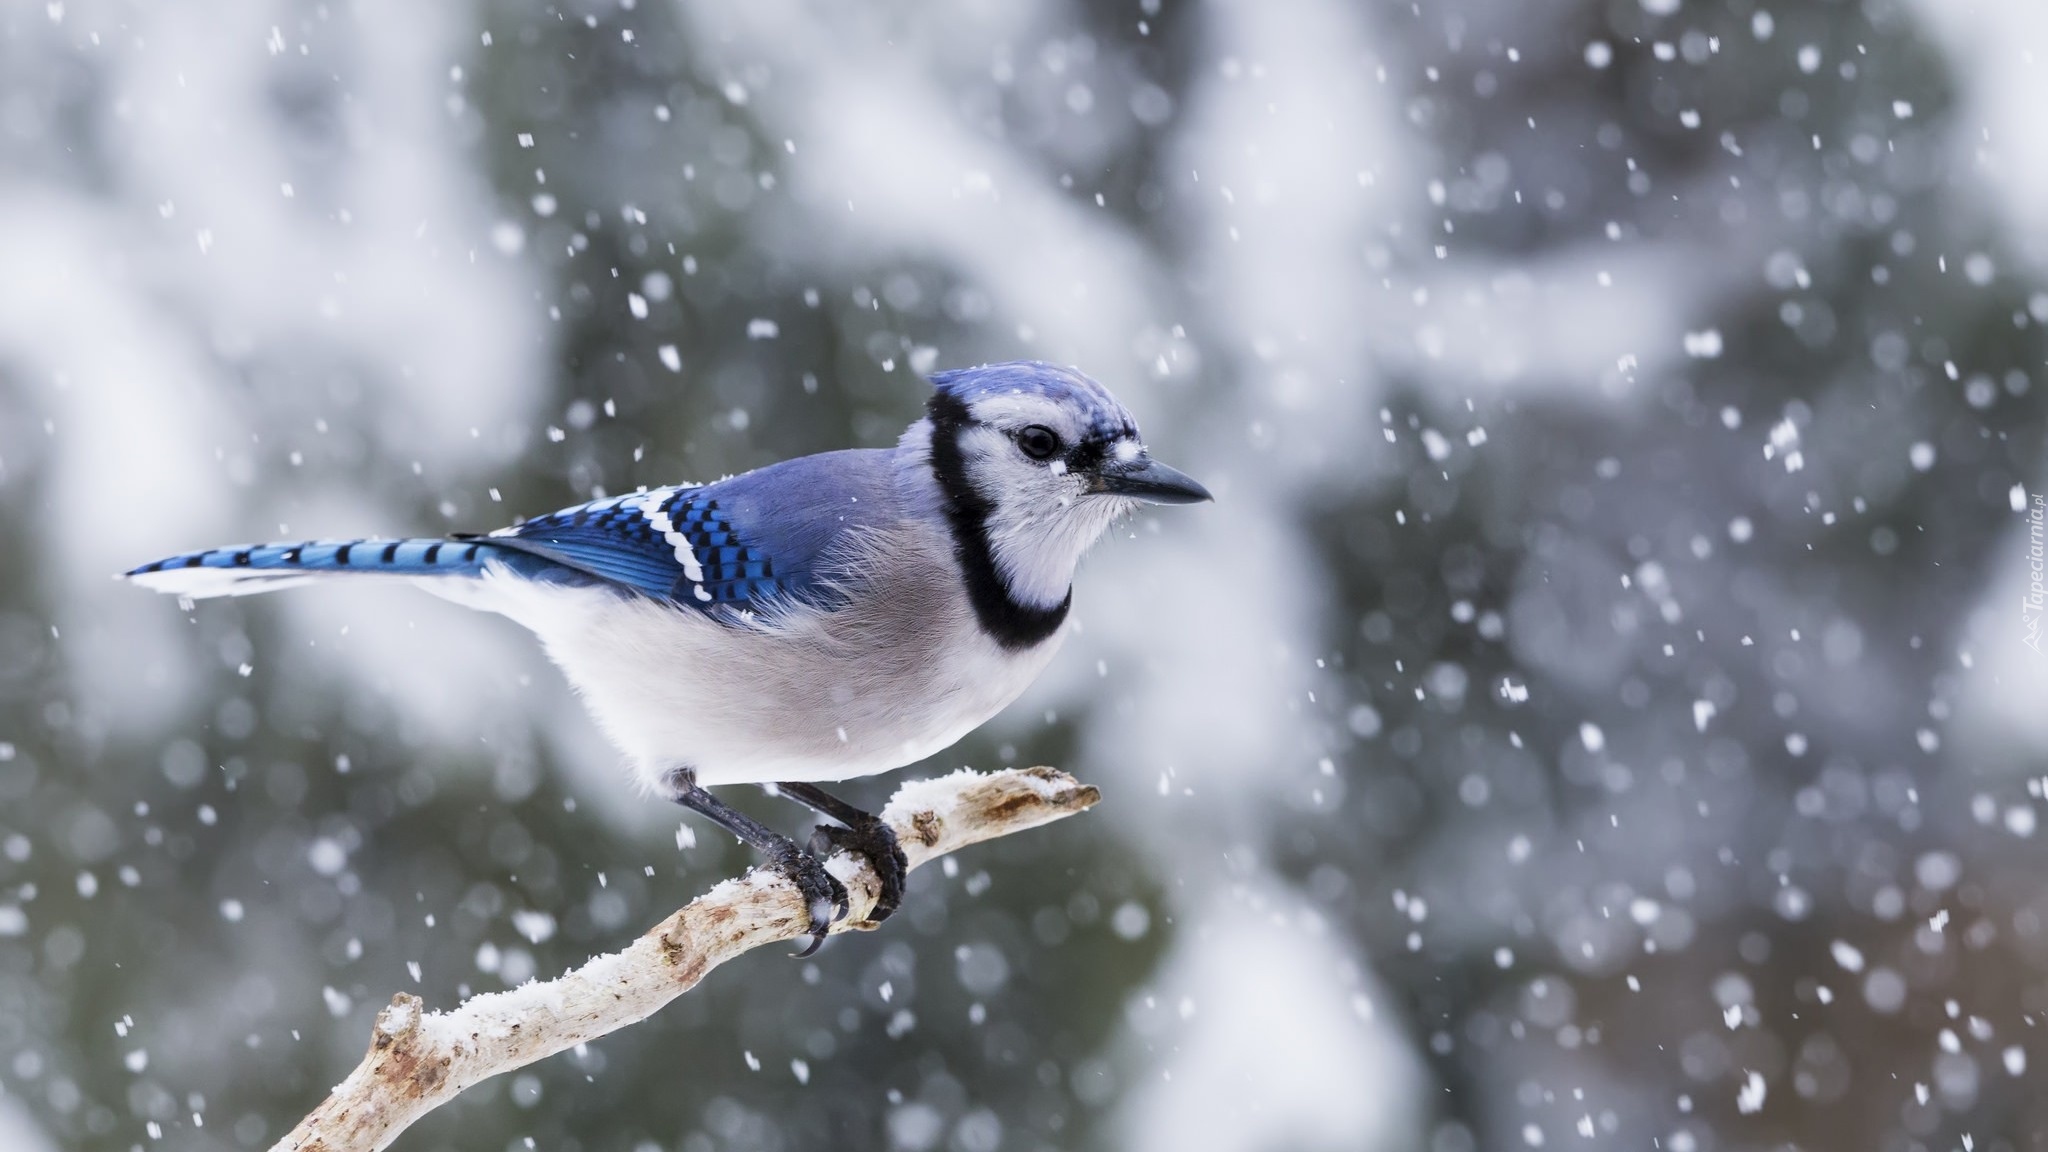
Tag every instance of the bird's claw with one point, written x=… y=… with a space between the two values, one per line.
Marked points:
x=823 y=894
x=874 y=840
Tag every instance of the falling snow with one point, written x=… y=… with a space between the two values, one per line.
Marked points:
x=1621 y=591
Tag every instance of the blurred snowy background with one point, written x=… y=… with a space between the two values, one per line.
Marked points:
x=1598 y=710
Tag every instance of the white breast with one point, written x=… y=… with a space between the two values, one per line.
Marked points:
x=805 y=695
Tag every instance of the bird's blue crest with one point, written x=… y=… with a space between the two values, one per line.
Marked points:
x=1105 y=415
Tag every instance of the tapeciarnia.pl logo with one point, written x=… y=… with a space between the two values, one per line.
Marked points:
x=2036 y=599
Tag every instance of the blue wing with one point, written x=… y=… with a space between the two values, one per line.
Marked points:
x=749 y=542
x=672 y=543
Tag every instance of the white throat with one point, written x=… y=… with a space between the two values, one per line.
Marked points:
x=1037 y=543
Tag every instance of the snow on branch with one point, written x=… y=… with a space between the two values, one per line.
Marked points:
x=419 y=1060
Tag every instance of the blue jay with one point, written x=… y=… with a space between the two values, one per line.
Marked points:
x=823 y=618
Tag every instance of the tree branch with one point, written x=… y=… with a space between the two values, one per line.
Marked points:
x=419 y=1060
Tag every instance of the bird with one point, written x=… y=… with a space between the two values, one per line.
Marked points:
x=815 y=620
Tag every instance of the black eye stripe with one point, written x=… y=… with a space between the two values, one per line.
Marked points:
x=1088 y=455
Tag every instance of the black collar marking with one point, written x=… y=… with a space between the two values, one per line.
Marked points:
x=1014 y=626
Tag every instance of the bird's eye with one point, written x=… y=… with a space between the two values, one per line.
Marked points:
x=1038 y=441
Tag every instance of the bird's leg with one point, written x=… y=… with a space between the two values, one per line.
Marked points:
x=864 y=833
x=822 y=892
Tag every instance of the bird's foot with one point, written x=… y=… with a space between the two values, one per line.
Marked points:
x=823 y=894
x=873 y=839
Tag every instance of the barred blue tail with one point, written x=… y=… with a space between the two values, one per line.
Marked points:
x=241 y=569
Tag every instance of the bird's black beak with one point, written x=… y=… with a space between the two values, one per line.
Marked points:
x=1147 y=479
